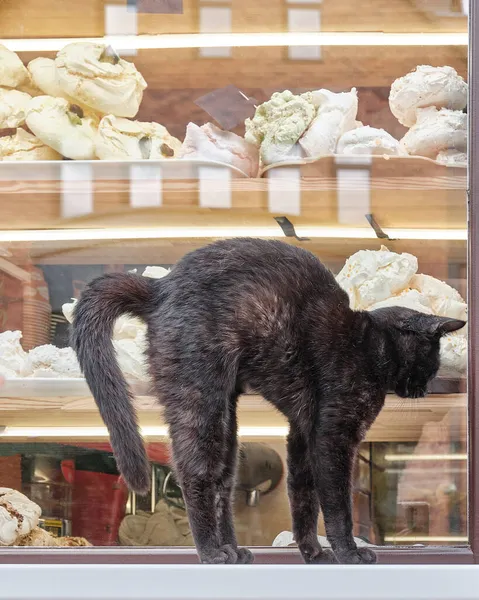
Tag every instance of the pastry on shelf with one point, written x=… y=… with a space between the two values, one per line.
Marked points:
x=380 y=279
x=50 y=361
x=94 y=75
x=44 y=76
x=439 y=87
x=13 y=106
x=278 y=125
x=371 y=276
x=63 y=126
x=12 y=71
x=155 y=272
x=12 y=355
x=18 y=516
x=444 y=300
x=436 y=131
x=18 y=144
x=210 y=143
x=336 y=115
x=40 y=538
x=452 y=158
x=121 y=139
x=369 y=141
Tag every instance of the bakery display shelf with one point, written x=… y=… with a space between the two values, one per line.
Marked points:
x=330 y=191
x=36 y=413
x=424 y=164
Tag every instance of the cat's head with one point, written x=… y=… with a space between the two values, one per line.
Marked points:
x=416 y=339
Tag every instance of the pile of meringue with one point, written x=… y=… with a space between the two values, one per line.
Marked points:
x=380 y=278
x=430 y=101
x=78 y=106
x=19 y=523
x=129 y=340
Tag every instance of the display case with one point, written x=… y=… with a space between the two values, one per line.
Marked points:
x=171 y=124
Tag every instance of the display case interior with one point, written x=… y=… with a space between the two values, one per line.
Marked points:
x=129 y=136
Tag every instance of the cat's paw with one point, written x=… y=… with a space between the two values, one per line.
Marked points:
x=245 y=556
x=358 y=556
x=225 y=555
x=321 y=557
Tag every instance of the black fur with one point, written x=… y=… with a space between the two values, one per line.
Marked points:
x=256 y=315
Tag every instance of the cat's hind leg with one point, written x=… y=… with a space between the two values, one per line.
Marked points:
x=226 y=484
x=199 y=431
x=304 y=500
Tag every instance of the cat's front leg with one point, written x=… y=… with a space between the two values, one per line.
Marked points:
x=335 y=453
x=304 y=501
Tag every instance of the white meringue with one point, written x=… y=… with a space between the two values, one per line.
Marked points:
x=452 y=158
x=407 y=299
x=92 y=76
x=368 y=140
x=125 y=327
x=130 y=355
x=44 y=75
x=12 y=355
x=444 y=299
x=440 y=87
x=453 y=355
x=25 y=146
x=12 y=71
x=65 y=130
x=155 y=272
x=371 y=276
x=18 y=516
x=50 y=361
x=336 y=115
x=210 y=143
x=13 y=106
x=436 y=130
x=121 y=139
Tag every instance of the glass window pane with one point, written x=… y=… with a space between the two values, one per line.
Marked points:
x=109 y=166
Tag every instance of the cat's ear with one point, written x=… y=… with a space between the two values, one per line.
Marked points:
x=430 y=324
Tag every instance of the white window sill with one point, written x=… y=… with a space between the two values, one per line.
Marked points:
x=262 y=582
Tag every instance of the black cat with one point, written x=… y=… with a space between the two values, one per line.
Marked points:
x=250 y=314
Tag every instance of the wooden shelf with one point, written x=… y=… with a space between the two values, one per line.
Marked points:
x=400 y=192
x=400 y=420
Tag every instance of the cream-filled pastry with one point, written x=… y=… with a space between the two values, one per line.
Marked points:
x=18 y=144
x=94 y=75
x=371 y=276
x=336 y=114
x=210 y=143
x=122 y=139
x=63 y=126
x=369 y=140
x=440 y=87
x=12 y=71
x=13 y=106
x=435 y=131
x=278 y=124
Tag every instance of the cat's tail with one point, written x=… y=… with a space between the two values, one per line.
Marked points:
x=103 y=301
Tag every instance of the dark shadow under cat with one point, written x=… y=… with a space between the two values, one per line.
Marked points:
x=250 y=314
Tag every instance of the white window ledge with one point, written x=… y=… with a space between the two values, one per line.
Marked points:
x=262 y=582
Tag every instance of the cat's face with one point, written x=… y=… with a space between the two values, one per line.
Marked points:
x=417 y=342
